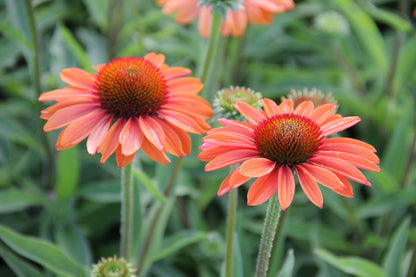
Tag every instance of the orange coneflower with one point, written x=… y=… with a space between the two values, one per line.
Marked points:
x=279 y=141
x=235 y=24
x=131 y=103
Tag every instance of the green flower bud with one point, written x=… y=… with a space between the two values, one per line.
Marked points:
x=113 y=267
x=222 y=6
x=332 y=23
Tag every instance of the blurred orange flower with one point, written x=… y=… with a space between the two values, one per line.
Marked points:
x=130 y=104
x=280 y=141
x=235 y=24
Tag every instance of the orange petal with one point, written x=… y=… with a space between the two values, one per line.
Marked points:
x=339 y=125
x=157 y=59
x=270 y=107
x=48 y=112
x=97 y=135
x=205 y=21
x=231 y=158
x=304 y=108
x=351 y=141
x=185 y=86
x=152 y=130
x=286 y=186
x=66 y=115
x=123 y=160
x=236 y=179
x=350 y=148
x=131 y=137
x=241 y=124
x=67 y=93
x=111 y=140
x=323 y=176
x=357 y=161
x=309 y=186
x=252 y=114
x=341 y=167
x=233 y=130
x=228 y=139
x=154 y=153
x=175 y=72
x=321 y=113
x=347 y=191
x=190 y=106
x=177 y=141
x=257 y=167
x=213 y=152
x=78 y=130
x=286 y=106
x=225 y=186
x=79 y=78
x=182 y=121
x=263 y=188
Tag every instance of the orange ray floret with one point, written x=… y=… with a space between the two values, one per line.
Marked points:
x=129 y=104
x=281 y=143
x=235 y=23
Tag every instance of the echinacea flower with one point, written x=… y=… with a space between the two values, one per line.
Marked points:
x=235 y=23
x=280 y=141
x=317 y=97
x=131 y=103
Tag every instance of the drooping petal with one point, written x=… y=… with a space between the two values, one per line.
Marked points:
x=123 y=160
x=350 y=148
x=257 y=167
x=175 y=72
x=341 y=167
x=66 y=115
x=131 y=137
x=200 y=106
x=252 y=114
x=286 y=186
x=185 y=86
x=97 y=135
x=353 y=159
x=309 y=186
x=156 y=59
x=241 y=124
x=263 y=188
x=182 y=121
x=339 y=125
x=78 y=78
x=323 y=176
x=177 y=141
x=213 y=152
x=68 y=93
x=321 y=113
x=228 y=139
x=154 y=153
x=347 y=191
x=78 y=130
x=270 y=107
x=233 y=130
x=152 y=130
x=48 y=112
x=237 y=179
x=349 y=141
x=230 y=158
x=111 y=140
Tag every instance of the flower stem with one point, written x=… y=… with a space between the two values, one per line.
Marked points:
x=153 y=224
x=127 y=211
x=269 y=231
x=49 y=163
x=232 y=208
x=212 y=49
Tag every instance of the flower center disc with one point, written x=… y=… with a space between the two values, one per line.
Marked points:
x=288 y=139
x=130 y=87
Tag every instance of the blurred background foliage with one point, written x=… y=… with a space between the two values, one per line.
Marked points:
x=60 y=210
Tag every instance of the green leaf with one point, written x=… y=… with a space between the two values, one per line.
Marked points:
x=367 y=32
x=389 y=18
x=405 y=65
x=14 y=200
x=397 y=151
x=352 y=265
x=142 y=177
x=67 y=173
x=70 y=238
x=76 y=48
x=13 y=131
x=98 y=9
x=19 y=265
x=16 y=36
x=395 y=254
x=288 y=265
x=102 y=192
x=175 y=242
x=41 y=252
x=17 y=13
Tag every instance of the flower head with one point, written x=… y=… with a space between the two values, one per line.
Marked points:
x=226 y=98
x=130 y=104
x=113 y=267
x=235 y=23
x=280 y=141
x=317 y=97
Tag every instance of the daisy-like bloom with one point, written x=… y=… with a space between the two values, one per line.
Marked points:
x=131 y=103
x=235 y=23
x=280 y=141
x=317 y=97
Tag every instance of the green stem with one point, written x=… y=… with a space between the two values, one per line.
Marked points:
x=212 y=49
x=412 y=266
x=269 y=231
x=127 y=211
x=232 y=208
x=153 y=224
x=49 y=163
